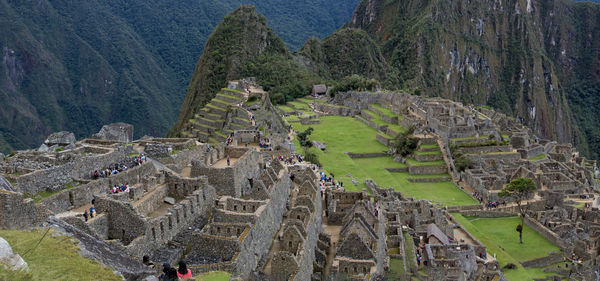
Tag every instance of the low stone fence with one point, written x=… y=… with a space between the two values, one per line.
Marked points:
x=453 y=209
x=486 y=214
x=428 y=157
x=505 y=156
x=427 y=170
x=544 y=261
x=486 y=149
x=397 y=170
x=437 y=179
x=366 y=155
x=383 y=140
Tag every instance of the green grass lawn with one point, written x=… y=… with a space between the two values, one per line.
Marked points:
x=435 y=145
x=538 y=158
x=346 y=134
x=428 y=152
x=300 y=105
x=55 y=258
x=500 y=232
x=396 y=270
x=214 y=276
x=386 y=111
x=286 y=108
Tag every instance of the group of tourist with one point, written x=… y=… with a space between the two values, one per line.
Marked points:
x=172 y=273
x=290 y=160
x=91 y=213
x=118 y=168
x=120 y=188
x=477 y=196
x=494 y=204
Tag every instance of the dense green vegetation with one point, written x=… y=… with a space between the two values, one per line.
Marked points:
x=78 y=66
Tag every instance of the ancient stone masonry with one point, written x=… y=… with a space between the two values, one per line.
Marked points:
x=236 y=179
x=299 y=234
x=17 y=212
x=241 y=231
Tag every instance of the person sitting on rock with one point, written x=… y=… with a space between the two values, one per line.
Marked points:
x=147 y=262
x=165 y=275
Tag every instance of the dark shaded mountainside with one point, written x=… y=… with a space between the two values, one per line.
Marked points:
x=76 y=65
x=538 y=61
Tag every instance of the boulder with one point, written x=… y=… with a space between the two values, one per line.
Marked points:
x=63 y=138
x=319 y=145
x=2 y=157
x=170 y=200
x=121 y=132
x=5 y=185
x=43 y=148
x=10 y=259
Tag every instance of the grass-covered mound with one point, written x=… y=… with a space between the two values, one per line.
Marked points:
x=55 y=258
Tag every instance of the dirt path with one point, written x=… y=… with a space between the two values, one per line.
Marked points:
x=223 y=163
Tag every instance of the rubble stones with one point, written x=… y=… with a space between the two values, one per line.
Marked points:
x=122 y=132
x=10 y=259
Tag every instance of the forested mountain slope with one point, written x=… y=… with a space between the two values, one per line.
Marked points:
x=77 y=65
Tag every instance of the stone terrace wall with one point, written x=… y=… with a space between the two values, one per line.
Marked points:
x=57 y=177
x=427 y=170
x=366 y=155
x=259 y=239
x=19 y=213
x=486 y=149
x=547 y=233
x=83 y=194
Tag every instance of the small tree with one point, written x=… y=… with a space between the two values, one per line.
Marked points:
x=519 y=189
x=303 y=138
x=405 y=143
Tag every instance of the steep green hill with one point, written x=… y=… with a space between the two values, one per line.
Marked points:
x=76 y=66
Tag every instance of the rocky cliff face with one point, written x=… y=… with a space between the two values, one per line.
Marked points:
x=502 y=53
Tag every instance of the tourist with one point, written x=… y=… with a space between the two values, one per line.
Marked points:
x=146 y=261
x=126 y=188
x=92 y=212
x=85 y=215
x=96 y=174
x=228 y=161
x=183 y=272
x=172 y=274
x=164 y=276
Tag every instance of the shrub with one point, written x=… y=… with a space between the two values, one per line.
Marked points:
x=311 y=157
x=462 y=163
x=405 y=143
x=303 y=138
x=59 y=149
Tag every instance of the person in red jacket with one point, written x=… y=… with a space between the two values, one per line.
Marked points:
x=183 y=272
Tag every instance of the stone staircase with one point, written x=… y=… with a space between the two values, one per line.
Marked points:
x=219 y=118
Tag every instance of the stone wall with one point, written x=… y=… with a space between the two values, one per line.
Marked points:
x=547 y=233
x=232 y=180
x=383 y=140
x=19 y=213
x=366 y=155
x=427 y=170
x=486 y=149
x=428 y=157
x=55 y=178
x=544 y=261
x=83 y=194
x=487 y=214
